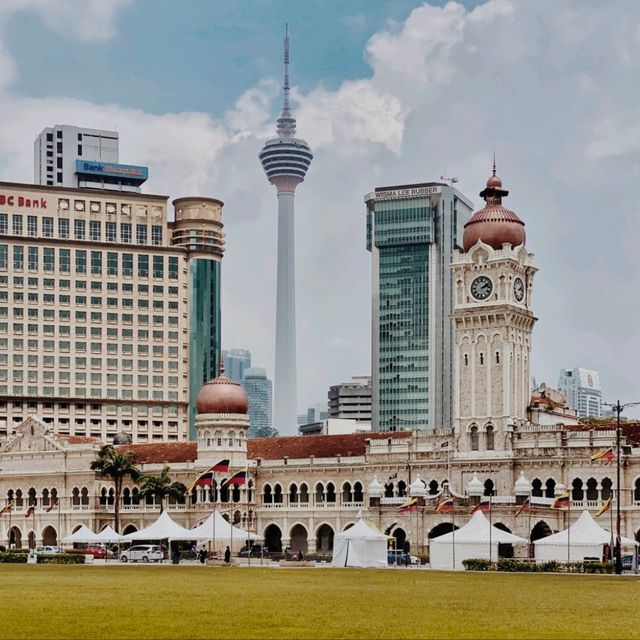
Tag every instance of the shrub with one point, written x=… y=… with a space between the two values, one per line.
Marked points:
x=61 y=558
x=13 y=558
x=512 y=565
x=478 y=564
x=549 y=566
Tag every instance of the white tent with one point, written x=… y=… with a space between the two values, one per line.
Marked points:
x=108 y=535
x=585 y=538
x=216 y=527
x=163 y=528
x=82 y=535
x=362 y=545
x=473 y=540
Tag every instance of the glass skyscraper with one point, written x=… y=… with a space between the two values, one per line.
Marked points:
x=260 y=393
x=236 y=362
x=411 y=233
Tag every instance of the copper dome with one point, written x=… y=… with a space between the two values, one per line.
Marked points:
x=222 y=395
x=495 y=225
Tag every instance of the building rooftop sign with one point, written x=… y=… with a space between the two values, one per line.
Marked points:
x=112 y=170
x=405 y=191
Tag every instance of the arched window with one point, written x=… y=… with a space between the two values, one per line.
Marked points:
x=490 y=438
x=606 y=485
x=135 y=496
x=75 y=497
x=111 y=499
x=347 y=496
x=481 y=358
x=402 y=489
x=592 y=489
x=473 y=436
x=550 y=488
x=577 y=493
x=126 y=497
x=250 y=491
x=488 y=488
x=267 y=496
x=103 y=497
x=319 y=492
x=358 y=493
x=433 y=487
x=235 y=493
x=293 y=494
x=232 y=437
x=466 y=360
x=636 y=491
x=32 y=497
x=536 y=488
x=388 y=490
x=45 y=498
x=304 y=493
x=277 y=494
x=497 y=357
x=331 y=492
x=84 y=497
x=224 y=492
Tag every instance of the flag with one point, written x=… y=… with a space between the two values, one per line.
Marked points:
x=8 y=508
x=237 y=478
x=525 y=506
x=222 y=466
x=607 y=455
x=561 y=501
x=483 y=505
x=52 y=506
x=604 y=508
x=408 y=506
x=445 y=505
x=30 y=511
x=441 y=447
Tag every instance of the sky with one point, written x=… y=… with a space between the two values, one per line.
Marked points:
x=385 y=92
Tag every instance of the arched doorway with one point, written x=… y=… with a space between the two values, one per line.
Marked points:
x=541 y=530
x=32 y=539
x=130 y=528
x=504 y=550
x=441 y=529
x=273 y=538
x=49 y=536
x=15 y=538
x=324 y=539
x=299 y=538
x=401 y=537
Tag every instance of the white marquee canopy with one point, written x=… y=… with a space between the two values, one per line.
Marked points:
x=362 y=545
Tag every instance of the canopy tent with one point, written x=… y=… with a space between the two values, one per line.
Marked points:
x=473 y=540
x=585 y=538
x=216 y=527
x=82 y=535
x=362 y=545
x=163 y=528
x=108 y=535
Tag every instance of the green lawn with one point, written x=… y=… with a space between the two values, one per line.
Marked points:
x=207 y=602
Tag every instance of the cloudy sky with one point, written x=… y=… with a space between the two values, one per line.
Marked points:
x=385 y=91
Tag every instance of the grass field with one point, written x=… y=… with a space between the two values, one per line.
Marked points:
x=204 y=602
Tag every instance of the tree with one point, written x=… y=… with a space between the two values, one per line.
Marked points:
x=161 y=487
x=116 y=465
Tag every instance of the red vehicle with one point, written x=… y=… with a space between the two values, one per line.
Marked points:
x=101 y=553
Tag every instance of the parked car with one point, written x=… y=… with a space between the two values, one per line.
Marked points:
x=98 y=552
x=257 y=550
x=143 y=553
x=399 y=557
x=48 y=550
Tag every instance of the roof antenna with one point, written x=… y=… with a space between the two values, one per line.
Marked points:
x=494 y=162
x=285 y=108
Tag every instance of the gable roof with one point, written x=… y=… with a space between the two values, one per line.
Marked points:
x=169 y=452
x=630 y=430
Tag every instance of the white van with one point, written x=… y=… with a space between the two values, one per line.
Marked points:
x=142 y=552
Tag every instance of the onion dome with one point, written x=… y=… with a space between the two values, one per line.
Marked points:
x=559 y=489
x=475 y=488
x=222 y=395
x=495 y=225
x=522 y=487
x=417 y=488
x=375 y=488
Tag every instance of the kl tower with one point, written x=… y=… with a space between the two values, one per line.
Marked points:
x=285 y=159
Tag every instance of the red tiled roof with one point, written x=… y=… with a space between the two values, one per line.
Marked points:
x=82 y=440
x=630 y=430
x=352 y=444
x=168 y=452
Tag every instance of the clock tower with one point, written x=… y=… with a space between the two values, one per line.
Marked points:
x=493 y=320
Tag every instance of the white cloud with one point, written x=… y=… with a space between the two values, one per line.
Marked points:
x=541 y=85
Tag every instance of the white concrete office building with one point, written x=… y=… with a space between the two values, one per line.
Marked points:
x=582 y=391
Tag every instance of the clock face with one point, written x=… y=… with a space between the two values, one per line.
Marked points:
x=481 y=288
x=518 y=289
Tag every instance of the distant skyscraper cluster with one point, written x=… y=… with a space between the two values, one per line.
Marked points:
x=236 y=361
x=582 y=391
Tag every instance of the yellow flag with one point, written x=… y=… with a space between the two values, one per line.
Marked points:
x=604 y=508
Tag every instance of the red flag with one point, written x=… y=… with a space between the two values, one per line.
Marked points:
x=52 y=506
x=525 y=506
x=483 y=505
x=237 y=478
x=30 y=511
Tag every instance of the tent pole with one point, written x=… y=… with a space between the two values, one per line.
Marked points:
x=346 y=557
x=490 y=531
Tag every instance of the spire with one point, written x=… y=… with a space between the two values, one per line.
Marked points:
x=286 y=122
x=494 y=162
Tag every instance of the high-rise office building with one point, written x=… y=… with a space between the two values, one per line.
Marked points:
x=412 y=231
x=236 y=362
x=98 y=307
x=582 y=391
x=285 y=160
x=259 y=391
x=69 y=156
x=351 y=400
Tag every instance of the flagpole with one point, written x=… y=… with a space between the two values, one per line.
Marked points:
x=490 y=531
x=569 y=530
x=246 y=493
x=611 y=544
x=9 y=532
x=530 y=552
x=453 y=532
x=214 y=496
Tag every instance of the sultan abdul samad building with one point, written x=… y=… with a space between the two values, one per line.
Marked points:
x=301 y=490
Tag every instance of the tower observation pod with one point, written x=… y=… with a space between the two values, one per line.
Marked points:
x=285 y=159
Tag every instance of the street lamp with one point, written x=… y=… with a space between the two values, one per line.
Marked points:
x=618 y=409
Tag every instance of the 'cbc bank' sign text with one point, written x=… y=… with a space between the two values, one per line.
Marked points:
x=21 y=201
x=413 y=192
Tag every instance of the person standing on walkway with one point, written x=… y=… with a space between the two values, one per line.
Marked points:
x=227 y=555
x=202 y=555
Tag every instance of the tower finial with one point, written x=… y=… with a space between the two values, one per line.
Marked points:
x=494 y=162
x=221 y=365
x=285 y=107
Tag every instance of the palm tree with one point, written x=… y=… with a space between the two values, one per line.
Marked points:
x=116 y=465
x=161 y=487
